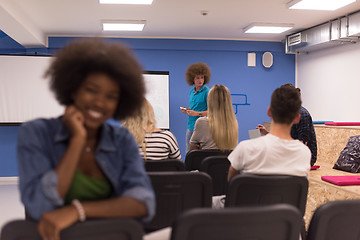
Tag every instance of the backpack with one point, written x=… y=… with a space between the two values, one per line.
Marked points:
x=349 y=159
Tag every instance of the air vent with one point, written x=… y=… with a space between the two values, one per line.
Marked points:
x=345 y=29
x=294 y=39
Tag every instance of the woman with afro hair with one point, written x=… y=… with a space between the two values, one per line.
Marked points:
x=77 y=166
x=197 y=75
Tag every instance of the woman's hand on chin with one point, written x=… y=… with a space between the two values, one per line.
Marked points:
x=74 y=121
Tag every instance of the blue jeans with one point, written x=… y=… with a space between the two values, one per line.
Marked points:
x=189 y=133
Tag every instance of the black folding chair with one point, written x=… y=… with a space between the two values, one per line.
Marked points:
x=217 y=167
x=177 y=192
x=193 y=158
x=276 y=222
x=169 y=165
x=99 y=229
x=259 y=190
x=336 y=220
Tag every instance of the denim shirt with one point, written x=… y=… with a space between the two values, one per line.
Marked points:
x=197 y=102
x=43 y=142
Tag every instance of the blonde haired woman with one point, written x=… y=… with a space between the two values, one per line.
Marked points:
x=154 y=143
x=219 y=130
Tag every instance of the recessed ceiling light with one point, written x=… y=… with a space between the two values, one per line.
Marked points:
x=145 y=2
x=318 y=4
x=123 y=25
x=267 y=28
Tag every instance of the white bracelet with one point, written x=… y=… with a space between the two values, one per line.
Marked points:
x=80 y=209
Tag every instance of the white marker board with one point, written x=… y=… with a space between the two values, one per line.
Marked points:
x=25 y=94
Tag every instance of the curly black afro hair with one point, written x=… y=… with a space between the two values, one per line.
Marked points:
x=81 y=58
x=197 y=69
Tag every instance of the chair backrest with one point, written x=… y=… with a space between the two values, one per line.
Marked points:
x=336 y=220
x=276 y=222
x=107 y=229
x=217 y=167
x=254 y=190
x=168 y=165
x=193 y=158
x=177 y=192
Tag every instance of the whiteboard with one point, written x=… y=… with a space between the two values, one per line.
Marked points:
x=25 y=93
x=157 y=93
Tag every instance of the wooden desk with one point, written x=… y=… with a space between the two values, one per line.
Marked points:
x=331 y=140
x=321 y=192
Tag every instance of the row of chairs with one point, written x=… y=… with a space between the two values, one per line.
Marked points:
x=193 y=161
x=335 y=220
x=177 y=192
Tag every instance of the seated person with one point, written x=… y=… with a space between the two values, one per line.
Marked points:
x=277 y=152
x=78 y=166
x=218 y=130
x=154 y=143
x=303 y=130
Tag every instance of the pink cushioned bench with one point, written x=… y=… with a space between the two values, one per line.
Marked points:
x=343 y=123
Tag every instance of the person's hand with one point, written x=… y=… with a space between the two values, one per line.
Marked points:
x=51 y=223
x=183 y=110
x=263 y=130
x=192 y=113
x=74 y=121
x=195 y=146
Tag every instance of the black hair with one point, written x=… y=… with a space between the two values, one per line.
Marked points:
x=81 y=58
x=285 y=104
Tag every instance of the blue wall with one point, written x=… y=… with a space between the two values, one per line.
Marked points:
x=9 y=46
x=228 y=63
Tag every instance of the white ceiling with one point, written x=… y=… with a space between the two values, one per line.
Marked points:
x=30 y=22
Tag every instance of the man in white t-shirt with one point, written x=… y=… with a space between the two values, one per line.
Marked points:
x=277 y=152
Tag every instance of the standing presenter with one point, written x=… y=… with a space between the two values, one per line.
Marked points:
x=197 y=75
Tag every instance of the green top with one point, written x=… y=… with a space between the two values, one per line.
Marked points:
x=85 y=188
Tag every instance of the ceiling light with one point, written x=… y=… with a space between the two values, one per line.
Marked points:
x=123 y=25
x=267 y=28
x=318 y=4
x=145 y=2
